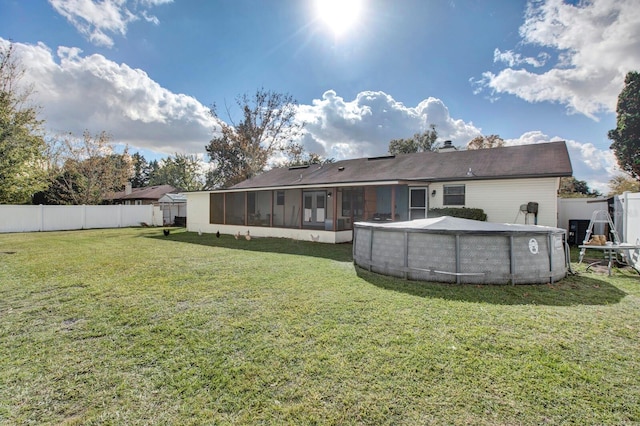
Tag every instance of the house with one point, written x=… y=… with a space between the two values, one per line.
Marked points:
x=516 y=184
x=171 y=202
x=140 y=196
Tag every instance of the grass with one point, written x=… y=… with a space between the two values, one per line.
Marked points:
x=130 y=327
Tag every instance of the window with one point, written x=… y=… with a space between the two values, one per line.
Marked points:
x=216 y=208
x=453 y=195
x=280 y=198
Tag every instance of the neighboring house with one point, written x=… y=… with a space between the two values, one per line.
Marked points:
x=172 y=203
x=321 y=202
x=140 y=196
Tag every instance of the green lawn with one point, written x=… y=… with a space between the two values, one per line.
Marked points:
x=130 y=327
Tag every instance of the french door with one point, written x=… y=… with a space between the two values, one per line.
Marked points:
x=315 y=208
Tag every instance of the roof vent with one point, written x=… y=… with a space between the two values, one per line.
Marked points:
x=304 y=166
x=448 y=146
x=341 y=168
x=382 y=157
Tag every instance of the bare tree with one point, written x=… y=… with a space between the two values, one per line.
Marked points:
x=244 y=148
x=86 y=170
x=622 y=183
x=485 y=142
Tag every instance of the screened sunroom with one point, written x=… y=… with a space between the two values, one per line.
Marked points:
x=318 y=208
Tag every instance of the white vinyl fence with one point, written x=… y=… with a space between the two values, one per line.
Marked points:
x=627 y=217
x=60 y=218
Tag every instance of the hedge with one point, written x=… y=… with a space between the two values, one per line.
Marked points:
x=465 y=213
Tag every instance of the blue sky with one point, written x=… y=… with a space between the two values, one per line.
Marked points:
x=146 y=71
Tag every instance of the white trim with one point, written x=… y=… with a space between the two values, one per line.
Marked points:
x=314 y=186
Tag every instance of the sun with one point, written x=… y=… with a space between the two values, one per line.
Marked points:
x=339 y=15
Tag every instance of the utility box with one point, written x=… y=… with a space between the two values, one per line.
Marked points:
x=577 y=231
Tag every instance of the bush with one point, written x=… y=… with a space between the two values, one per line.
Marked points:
x=462 y=212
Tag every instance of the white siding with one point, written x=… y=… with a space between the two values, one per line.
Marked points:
x=578 y=208
x=501 y=199
x=198 y=208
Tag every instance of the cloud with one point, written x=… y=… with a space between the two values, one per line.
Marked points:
x=591 y=164
x=364 y=126
x=93 y=93
x=512 y=59
x=595 y=43
x=97 y=19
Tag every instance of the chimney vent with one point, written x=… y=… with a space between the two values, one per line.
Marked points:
x=448 y=146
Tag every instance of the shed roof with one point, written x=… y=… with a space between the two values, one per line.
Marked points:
x=523 y=161
x=173 y=198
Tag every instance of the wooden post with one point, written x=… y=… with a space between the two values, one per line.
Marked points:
x=393 y=203
x=273 y=194
x=335 y=209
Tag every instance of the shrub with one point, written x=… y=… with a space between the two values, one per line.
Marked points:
x=462 y=212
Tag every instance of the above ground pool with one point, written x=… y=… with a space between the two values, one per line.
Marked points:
x=448 y=249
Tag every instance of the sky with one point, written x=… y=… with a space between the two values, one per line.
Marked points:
x=363 y=72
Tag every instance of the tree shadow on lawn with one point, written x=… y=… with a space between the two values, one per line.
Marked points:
x=571 y=291
x=581 y=289
x=337 y=252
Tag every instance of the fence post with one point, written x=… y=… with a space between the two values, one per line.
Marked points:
x=625 y=210
x=41 y=226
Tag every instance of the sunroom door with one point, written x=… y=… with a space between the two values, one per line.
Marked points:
x=315 y=208
x=418 y=203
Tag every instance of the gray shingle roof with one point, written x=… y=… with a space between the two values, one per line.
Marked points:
x=522 y=161
x=146 y=193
